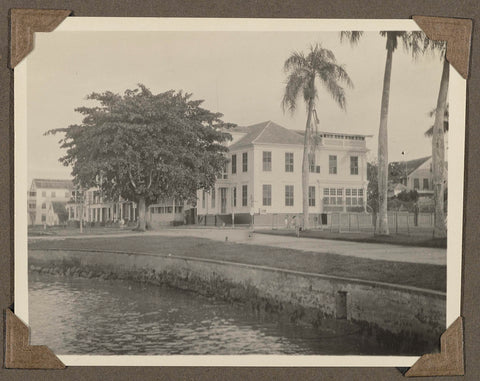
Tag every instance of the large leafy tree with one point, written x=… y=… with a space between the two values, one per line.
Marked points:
x=304 y=71
x=411 y=42
x=144 y=147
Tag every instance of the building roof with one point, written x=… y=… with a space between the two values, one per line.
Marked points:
x=302 y=132
x=267 y=133
x=412 y=165
x=52 y=184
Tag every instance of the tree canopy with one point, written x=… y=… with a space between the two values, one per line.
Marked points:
x=144 y=147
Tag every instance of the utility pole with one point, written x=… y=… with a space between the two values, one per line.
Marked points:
x=81 y=210
x=233 y=205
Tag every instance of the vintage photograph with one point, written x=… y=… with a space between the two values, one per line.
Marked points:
x=197 y=189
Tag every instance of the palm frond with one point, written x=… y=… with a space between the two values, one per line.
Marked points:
x=414 y=42
x=336 y=91
x=296 y=81
x=296 y=61
x=351 y=36
x=303 y=69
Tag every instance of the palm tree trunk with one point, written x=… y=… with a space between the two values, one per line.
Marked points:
x=142 y=224
x=306 y=164
x=382 y=219
x=438 y=154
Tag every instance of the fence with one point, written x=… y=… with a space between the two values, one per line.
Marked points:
x=399 y=222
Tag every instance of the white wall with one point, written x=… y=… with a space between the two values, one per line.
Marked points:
x=256 y=177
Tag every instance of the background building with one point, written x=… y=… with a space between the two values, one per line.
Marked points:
x=47 y=200
x=417 y=174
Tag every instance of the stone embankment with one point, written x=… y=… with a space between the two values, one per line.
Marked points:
x=405 y=319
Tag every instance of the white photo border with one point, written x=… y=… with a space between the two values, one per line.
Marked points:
x=457 y=101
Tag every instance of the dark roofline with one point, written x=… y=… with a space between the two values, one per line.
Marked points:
x=412 y=165
x=64 y=183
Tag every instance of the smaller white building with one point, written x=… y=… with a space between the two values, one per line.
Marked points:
x=419 y=175
x=47 y=200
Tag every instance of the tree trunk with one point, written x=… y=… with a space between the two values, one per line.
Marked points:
x=142 y=224
x=306 y=165
x=438 y=154
x=382 y=218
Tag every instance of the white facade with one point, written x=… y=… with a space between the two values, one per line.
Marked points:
x=41 y=196
x=269 y=186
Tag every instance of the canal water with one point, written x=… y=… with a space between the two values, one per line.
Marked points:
x=106 y=317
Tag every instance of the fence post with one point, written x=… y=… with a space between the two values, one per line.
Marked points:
x=396 y=222
x=408 y=226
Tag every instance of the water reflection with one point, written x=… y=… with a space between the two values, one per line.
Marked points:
x=90 y=316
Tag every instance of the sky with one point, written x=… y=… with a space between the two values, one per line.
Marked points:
x=239 y=74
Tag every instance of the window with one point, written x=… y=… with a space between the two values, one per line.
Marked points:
x=234 y=164
x=332 y=164
x=169 y=209
x=340 y=196
x=354 y=165
x=425 y=184
x=333 y=196
x=203 y=198
x=288 y=161
x=244 y=195
x=44 y=218
x=225 y=171
x=267 y=161
x=53 y=194
x=288 y=195
x=245 y=161
x=326 y=199
x=354 y=197
x=31 y=205
x=234 y=195
x=267 y=195
x=44 y=206
x=311 y=196
x=178 y=209
x=213 y=198
x=44 y=193
x=416 y=183
x=311 y=161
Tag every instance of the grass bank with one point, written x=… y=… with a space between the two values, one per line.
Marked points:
x=414 y=239
x=411 y=274
x=55 y=231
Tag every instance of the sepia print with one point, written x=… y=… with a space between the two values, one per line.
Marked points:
x=222 y=188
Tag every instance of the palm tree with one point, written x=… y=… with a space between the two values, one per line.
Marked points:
x=440 y=126
x=303 y=72
x=431 y=114
x=412 y=42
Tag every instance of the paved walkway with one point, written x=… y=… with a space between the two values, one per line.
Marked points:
x=379 y=251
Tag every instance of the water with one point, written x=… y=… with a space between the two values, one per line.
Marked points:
x=91 y=316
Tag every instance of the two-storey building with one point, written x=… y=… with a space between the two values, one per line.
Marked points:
x=47 y=200
x=264 y=176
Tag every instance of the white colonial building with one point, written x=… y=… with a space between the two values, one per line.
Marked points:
x=47 y=200
x=264 y=176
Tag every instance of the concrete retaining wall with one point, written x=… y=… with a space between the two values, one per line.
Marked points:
x=396 y=312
